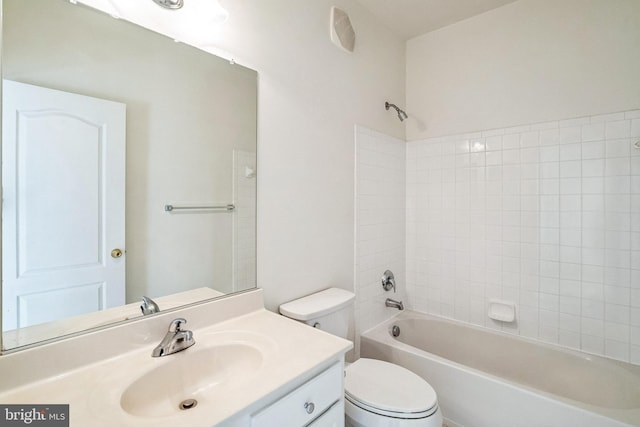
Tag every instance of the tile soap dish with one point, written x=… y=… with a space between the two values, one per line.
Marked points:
x=502 y=311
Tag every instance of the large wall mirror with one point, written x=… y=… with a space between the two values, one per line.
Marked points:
x=128 y=169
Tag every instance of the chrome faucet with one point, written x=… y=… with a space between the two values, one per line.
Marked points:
x=148 y=306
x=394 y=304
x=175 y=340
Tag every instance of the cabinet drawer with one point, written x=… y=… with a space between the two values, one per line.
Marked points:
x=305 y=403
x=334 y=417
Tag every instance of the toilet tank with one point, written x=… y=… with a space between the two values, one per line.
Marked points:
x=328 y=310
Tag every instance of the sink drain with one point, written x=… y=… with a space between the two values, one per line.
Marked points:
x=187 y=404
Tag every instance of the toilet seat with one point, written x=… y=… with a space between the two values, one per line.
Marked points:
x=389 y=390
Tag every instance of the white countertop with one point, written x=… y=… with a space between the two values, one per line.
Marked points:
x=93 y=391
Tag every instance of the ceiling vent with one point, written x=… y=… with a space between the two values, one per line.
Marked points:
x=342 y=34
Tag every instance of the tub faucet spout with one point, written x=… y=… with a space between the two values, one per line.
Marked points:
x=394 y=304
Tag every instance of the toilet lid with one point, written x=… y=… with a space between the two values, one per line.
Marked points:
x=388 y=389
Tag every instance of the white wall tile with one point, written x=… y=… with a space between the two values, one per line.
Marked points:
x=550 y=153
x=529 y=139
x=549 y=137
x=529 y=155
x=592 y=202
x=570 y=202
x=616 y=349
x=511 y=140
x=618 y=129
x=592 y=256
x=381 y=241
x=635 y=128
x=592 y=344
x=593 y=168
x=570 y=186
x=593 y=150
x=617 y=313
x=570 y=134
x=592 y=185
x=570 y=152
x=570 y=169
x=616 y=331
x=593 y=132
x=617 y=185
x=543 y=214
x=551 y=169
x=619 y=148
x=532 y=171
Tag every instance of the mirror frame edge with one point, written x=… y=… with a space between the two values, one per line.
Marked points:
x=2 y=350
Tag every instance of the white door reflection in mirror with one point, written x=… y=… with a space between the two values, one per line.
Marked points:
x=63 y=173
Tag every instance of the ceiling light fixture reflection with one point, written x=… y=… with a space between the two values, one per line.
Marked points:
x=170 y=4
x=195 y=22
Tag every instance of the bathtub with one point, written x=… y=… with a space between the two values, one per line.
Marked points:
x=491 y=379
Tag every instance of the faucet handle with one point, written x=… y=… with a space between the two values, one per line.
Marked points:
x=176 y=323
x=388 y=281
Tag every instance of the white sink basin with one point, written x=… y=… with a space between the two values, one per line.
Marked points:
x=204 y=375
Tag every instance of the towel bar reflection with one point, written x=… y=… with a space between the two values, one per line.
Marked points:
x=171 y=208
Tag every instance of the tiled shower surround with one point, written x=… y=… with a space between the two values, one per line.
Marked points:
x=545 y=215
x=380 y=224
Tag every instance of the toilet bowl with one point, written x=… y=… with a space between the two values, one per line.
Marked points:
x=377 y=393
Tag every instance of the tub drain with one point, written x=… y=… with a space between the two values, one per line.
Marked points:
x=395 y=331
x=187 y=404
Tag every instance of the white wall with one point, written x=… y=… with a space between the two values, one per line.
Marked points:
x=310 y=96
x=527 y=62
x=380 y=225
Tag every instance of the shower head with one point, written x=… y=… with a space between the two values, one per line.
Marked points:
x=170 y=4
x=401 y=114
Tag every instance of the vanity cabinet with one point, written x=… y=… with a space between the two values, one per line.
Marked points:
x=318 y=403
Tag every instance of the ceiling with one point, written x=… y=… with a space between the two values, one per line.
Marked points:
x=411 y=18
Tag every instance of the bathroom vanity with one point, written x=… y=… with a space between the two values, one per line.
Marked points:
x=249 y=367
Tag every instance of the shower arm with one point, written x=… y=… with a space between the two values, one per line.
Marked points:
x=401 y=114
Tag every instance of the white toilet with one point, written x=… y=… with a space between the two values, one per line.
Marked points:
x=377 y=393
